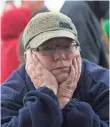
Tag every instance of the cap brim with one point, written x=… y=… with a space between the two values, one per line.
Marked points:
x=41 y=38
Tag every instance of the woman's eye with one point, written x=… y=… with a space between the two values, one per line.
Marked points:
x=47 y=48
x=66 y=47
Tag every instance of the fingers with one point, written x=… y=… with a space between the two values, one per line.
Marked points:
x=29 y=61
x=79 y=66
x=37 y=62
x=75 y=64
x=30 y=65
x=67 y=88
x=72 y=74
x=39 y=75
x=68 y=84
x=29 y=56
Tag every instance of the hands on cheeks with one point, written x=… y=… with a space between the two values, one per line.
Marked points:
x=40 y=76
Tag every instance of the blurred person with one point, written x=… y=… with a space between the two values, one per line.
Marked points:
x=35 y=6
x=56 y=87
x=101 y=11
x=9 y=5
x=89 y=30
x=13 y=23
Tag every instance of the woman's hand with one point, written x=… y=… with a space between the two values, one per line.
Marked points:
x=67 y=88
x=40 y=76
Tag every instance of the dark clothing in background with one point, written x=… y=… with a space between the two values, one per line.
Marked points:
x=89 y=31
x=99 y=8
x=24 y=106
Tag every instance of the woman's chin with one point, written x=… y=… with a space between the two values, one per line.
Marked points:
x=61 y=78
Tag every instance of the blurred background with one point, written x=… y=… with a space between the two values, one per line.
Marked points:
x=91 y=19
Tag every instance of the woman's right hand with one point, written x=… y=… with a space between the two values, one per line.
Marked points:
x=40 y=76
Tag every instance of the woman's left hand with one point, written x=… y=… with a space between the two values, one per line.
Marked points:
x=67 y=88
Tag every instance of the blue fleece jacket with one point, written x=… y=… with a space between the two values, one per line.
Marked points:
x=24 y=106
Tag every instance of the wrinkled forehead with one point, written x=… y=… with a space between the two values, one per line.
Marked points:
x=58 y=41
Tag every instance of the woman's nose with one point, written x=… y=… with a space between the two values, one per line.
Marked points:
x=59 y=55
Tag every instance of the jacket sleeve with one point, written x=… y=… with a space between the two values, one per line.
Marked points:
x=78 y=114
x=40 y=109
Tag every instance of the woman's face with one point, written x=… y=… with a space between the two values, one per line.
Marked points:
x=57 y=55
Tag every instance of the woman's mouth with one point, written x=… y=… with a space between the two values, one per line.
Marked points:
x=61 y=70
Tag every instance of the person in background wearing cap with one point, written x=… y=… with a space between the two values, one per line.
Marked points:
x=56 y=87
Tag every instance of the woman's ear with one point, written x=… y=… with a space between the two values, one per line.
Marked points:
x=25 y=56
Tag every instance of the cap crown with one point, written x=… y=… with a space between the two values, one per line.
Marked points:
x=47 y=21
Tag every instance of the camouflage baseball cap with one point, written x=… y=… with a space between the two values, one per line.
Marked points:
x=48 y=25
